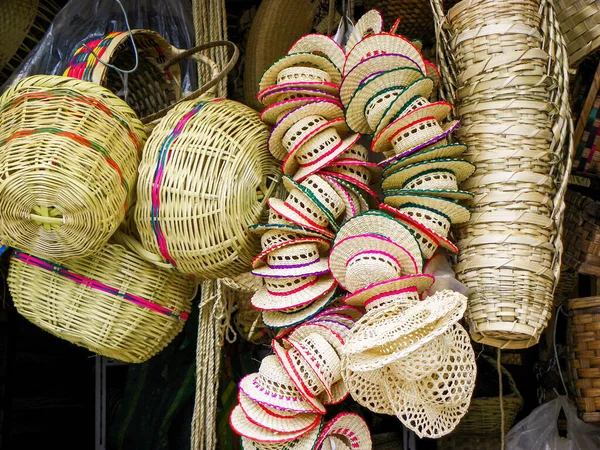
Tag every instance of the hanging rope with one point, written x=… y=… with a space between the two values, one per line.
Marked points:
x=210 y=24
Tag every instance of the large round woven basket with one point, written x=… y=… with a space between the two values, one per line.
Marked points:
x=69 y=151
x=505 y=68
x=113 y=303
x=580 y=23
x=204 y=178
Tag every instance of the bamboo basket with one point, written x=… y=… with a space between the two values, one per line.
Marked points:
x=205 y=177
x=113 y=303
x=155 y=86
x=69 y=152
x=504 y=67
x=583 y=339
x=580 y=23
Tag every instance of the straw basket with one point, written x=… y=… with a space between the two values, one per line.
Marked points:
x=113 y=303
x=156 y=83
x=583 y=340
x=580 y=23
x=504 y=66
x=68 y=159
x=205 y=177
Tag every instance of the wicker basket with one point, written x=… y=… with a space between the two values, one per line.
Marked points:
x=156 y=83
x=205 y=177
x=69 y=152
x=504 y=67
x=580 y=23
x=583 y=339
x=113 y=303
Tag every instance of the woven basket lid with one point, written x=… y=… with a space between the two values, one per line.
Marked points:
x=276 y=26
x=306 y=442
x=279 y=319
x=298 y=292
x=421 y=281
x=369 y=23
x=323 y=45
x=90 y=141
x=456 y=212
x=350 y=428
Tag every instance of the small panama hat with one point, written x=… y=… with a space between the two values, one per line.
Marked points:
x=453 y=211
x=293 y=260
x=280 y=223
x=441 y=151
x=421 y=281
x=287 y=293
x=408 y=177
x=321 y=45
x=289 y=318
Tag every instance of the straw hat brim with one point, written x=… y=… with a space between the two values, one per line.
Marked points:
x=306 y=442
x=421 y=88
x=382 y=141
x=269 y=78
x=445 y=193
x=433 y=72
x=398 y=78
x=349 y=179
x=352 y=427
x=266 y=301
x=318 y=267
x=320 y=86
x=357 y=203
x=277 y=319
x=339 y=393
x=348 y=247
x=447 y=129
x=290 y=184
x=443 y=151
x=261 y=259
x=354 y=162
x=241 y=425
x=459 y=167
x=271 y=97
x=261 y=228
x=410 y=222
x=352 y=312
x=383 y=42
x=366 y=69
x=338 y=124
x=368 y=390
x=321 y=44
x=421 y=281
x=282 y=209
x=301 y=423
x=369 y=22
x=377 y=222
x=329 y=109
x=455 y=211
x=334 y=338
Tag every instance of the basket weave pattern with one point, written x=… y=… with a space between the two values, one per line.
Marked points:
x=580 y=22
x=504 y=65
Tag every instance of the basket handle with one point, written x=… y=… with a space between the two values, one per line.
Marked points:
x=217 y=75
x=135 y=246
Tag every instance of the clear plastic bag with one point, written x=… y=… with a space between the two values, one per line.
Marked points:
x=81 y=21
x=539 y=430
x=440 y=268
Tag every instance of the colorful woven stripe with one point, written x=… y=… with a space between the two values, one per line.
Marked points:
x=163 y=156
x=93 y=284
x=83 y=62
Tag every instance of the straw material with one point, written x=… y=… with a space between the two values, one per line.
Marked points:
x=369 y=23
x=306 y=442
x=281 y=319
x=320 y=44
x=113 y=303
x=506 y=68
x=579 y=23
x=69 y=153
x=198 y=193
x=350 y=428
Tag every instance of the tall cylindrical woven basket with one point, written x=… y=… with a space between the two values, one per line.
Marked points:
x=113 y=303
x=205 y=177
x=69 y=152
x=505 y=68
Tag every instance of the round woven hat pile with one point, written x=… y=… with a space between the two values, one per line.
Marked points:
x=507 y=71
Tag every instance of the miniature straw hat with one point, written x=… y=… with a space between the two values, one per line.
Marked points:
x=363 y=171
x=357 y=152
x=368 y=390
x=421 y=281
x=360 y=260
x=377 y=222
x=271 y=386
x=396 y=79
x=442 y=151
x=301 y=210
x=305 y=442
x=293 y=260
x=287 y=293
x=271 y=75
x=348 y=429
x=281 y=224
x=308 y=127
x=402 y=298
x=300 y=332
x=322 y=45
x=382 y=107
x=371 y=22
x=431 y=219
x=407 y=177
x=387 y=43
x=350 y=177
x=283 y=319
x=282 y=94
x=454 y=211
x=275 y=239
x=339 y=308
x=372 y=65
x=388 y=334
x=351 y=204
x=358 y=202
x=241 y=424
x=419 y=108
x=303 y=82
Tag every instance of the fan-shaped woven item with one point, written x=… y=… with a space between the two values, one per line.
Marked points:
x=205 y=177
x=113 y=303
x=69 y=151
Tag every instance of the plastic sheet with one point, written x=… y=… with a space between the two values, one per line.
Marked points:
x=440 y=268
x=539 y=430
x=81 y=21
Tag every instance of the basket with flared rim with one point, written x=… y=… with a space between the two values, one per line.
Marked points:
x=114 y=303
x=510 y=304
x=69 y=151
x=204 y=178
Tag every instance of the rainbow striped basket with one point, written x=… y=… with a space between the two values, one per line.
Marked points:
x=113 y=303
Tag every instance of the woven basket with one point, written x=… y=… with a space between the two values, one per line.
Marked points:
x=205 y=177
x=504 y=67
x=464 y=442
x=583 y=339
x=69 y=152
x=155 y=86
x=113 y=303
x=580 y=23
